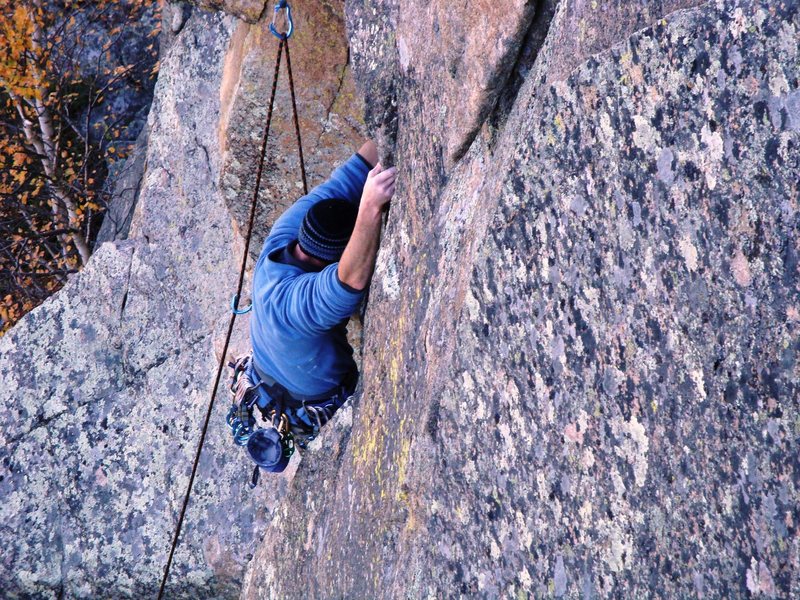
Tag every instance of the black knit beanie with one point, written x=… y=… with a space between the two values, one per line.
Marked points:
x=326 y=229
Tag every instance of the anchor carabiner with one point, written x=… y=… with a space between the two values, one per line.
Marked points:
x=279 y=7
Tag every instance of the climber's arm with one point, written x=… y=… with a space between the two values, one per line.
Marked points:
x=358 y=260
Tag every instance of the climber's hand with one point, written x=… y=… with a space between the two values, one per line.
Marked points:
x=379 y=188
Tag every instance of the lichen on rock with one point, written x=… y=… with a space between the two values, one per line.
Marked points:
x=580 y=369
x=105 y=387
x=581 y=359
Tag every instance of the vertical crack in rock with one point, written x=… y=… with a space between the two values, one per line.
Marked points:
x=339 y=86
x=61 y=549
x=124 y=302
x=375 y=65
x=127 y=187
x=526 y=57
x=206 y=155
x=332 y=103
x=523 y=45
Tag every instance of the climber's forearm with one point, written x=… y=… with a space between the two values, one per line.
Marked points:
x=358 y=259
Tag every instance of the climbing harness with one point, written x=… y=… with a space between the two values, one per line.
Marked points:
x=270 y=446
x=235 y=310
x=296 y=420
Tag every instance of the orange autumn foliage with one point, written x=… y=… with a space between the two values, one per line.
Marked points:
x=59 y=133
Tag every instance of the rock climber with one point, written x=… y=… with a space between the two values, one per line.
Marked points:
x=310 y=277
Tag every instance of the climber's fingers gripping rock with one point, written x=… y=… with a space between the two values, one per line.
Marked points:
x=380 y=186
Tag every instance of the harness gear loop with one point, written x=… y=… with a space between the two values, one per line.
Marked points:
x=241 y=429
x=282 y=4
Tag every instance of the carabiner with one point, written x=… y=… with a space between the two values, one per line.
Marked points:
x=278 y=7
x=283 y=423
x=230 y=419
x=235 y=306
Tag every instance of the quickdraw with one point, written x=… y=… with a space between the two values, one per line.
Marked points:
x=240 y=417
x=235 y=306
x=242 y=424
x=283 y=424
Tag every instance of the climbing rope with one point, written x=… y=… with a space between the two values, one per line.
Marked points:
x=284 y=44
x=294 y=115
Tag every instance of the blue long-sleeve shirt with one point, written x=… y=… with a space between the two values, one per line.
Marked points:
x=299 y=318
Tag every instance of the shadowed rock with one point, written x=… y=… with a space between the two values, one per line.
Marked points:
x=248 y=10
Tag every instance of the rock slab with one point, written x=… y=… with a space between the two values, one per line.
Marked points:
x=103 y=388
x=581 y=365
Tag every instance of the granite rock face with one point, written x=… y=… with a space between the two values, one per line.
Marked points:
x=247 y=10
x=581 y=364
x=581 y=361
x=465 y=60
x=103 y=388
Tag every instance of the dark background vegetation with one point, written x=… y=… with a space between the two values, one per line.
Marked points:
x=76 y=82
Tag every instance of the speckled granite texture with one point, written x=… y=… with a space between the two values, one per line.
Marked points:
x=103 y=388
x=581 y=363
x=581 y=359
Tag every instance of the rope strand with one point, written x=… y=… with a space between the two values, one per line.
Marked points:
x=296 y=123
x=284 y=42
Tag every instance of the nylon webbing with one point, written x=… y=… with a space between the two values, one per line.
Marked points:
x=284 y=42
